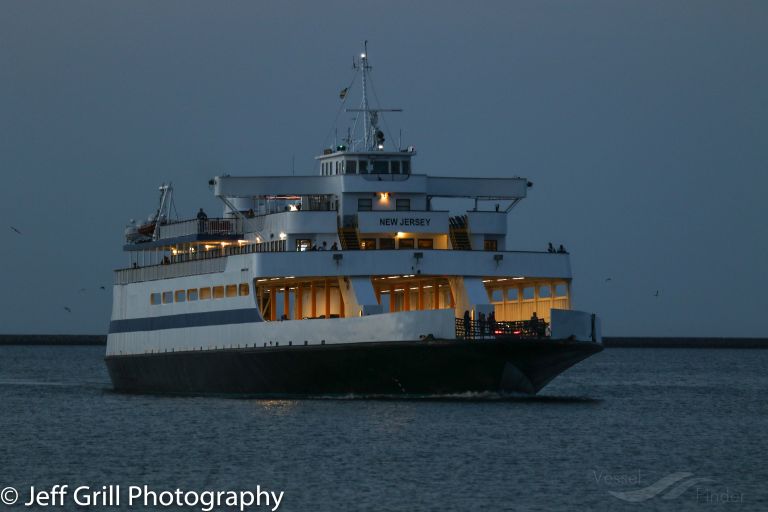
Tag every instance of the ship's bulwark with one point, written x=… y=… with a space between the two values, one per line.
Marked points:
x=436 y=367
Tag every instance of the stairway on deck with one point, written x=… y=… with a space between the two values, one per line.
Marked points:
x=459 y=233
x=348 y=238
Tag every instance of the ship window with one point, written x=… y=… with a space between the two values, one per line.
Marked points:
x=154 y=299
x=406 y=167
x=545 y=291
x=351 y=166
x=167 y=297
x=490 y=245
x=218 y=292
x=380 y=167
x=303 y=244
x=511 y=293
x=497 y=294
x=425 y=243
x=364 y=205
x=366 y=244
x=528 y=292
x=205 y=293
x=181 y=295
x=395 y=165
x=243 y=290
x=561 y=290
x=386 y=243
x=363 y=166
x=192 y=294
x=231 y=290
x=402 y=205
x=406 y=243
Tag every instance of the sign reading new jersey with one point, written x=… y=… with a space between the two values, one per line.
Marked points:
x=409 y=222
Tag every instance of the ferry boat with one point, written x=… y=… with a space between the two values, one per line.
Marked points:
x=352 y=281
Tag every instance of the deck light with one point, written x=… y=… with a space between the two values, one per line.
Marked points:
x=283 y=236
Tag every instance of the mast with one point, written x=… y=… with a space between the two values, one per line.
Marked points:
x=373 y=137
x=364 y=68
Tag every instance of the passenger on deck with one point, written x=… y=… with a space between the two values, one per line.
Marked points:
x=550 y=247
x=533 y=324
x=202 y=218
x=482 y=324
x=492 y=323
x=335 y=247
x=562 y=250
x=466 y=324
x=324 y=247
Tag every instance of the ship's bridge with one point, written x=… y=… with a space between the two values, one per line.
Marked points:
x=376 y=164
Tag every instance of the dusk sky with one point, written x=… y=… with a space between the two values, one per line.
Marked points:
x=643 y=126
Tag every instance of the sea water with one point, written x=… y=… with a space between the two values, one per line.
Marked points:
x=628 y=429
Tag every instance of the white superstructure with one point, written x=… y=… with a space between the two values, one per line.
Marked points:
x=355 y=254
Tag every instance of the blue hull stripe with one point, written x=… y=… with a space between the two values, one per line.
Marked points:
x=226 y=317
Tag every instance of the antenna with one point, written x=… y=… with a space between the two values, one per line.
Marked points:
x=373 y=137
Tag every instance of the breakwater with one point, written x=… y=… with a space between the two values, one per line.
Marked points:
x=53 y=339
x=669 y=342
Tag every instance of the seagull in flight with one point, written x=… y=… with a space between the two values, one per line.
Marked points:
x=16 y=230
x=67 y=309
x=102 y=288
x=656 y=294
x=608 y=279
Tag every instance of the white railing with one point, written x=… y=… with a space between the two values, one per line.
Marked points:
x=187 y=268
x=215 y=227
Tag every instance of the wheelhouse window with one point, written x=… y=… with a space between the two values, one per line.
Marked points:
x=364 y=205
x=405 y=243
x=367 y=244
x=395 y=166
x=380 y=167
x=386 y=243
x=406 y=167
x=351 y=167
x=403 y=205
x=362 y=166
x=425 y=243
x=490 y=245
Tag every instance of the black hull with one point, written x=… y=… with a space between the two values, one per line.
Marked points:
x=435 y=367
